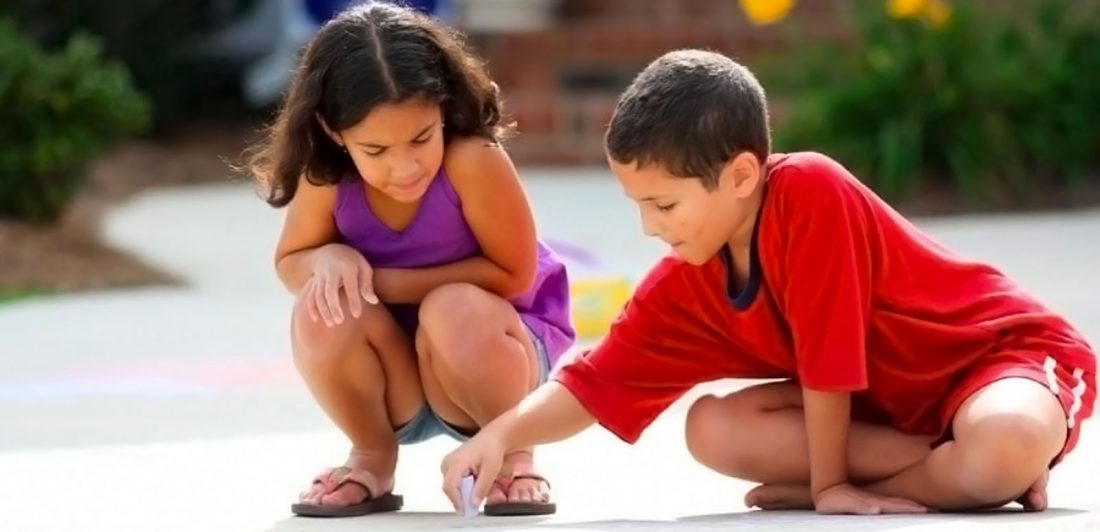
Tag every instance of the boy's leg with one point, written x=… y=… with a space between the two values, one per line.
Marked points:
x=742 y=435
x=1011 y=424
x=477 y=360
x=1005 y=437
x=363 y=374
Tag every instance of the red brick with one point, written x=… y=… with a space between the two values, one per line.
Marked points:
x=563 y=128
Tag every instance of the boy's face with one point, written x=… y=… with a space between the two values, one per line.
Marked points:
x=695 y=221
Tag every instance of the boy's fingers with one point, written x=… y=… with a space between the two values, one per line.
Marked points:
x=452 y=480
x=485 y=477
x=452 y=477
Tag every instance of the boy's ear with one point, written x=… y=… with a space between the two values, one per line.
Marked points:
x=743 y=173
x=328 y=131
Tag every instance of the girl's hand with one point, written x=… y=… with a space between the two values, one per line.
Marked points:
x=337 y=267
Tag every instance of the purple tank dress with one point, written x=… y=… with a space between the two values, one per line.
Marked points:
x=439 y=234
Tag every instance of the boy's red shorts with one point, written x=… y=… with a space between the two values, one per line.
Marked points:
x=1075 y=389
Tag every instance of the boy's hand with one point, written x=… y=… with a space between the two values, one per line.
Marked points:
x=848 y=499
x=481 y=457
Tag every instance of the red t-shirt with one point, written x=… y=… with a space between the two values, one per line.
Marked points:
x=844 y=294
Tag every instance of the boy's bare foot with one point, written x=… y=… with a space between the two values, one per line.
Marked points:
x=351 y=493
x=793 y=497
x=519 y=464
x=780 y=497
x=1035 y=498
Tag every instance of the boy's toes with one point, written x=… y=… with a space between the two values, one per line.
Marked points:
x=1035 y=498
x=1036 y=501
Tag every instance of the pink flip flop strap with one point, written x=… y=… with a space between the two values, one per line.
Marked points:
x=505 y=483
x=331 y=479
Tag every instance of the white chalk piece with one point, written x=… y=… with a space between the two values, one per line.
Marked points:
x=466 y=493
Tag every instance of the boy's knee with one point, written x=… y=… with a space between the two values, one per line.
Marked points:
x=1006 y=454
x=709 y=438
x=699 y=428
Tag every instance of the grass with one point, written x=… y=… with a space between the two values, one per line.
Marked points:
x=11 y=295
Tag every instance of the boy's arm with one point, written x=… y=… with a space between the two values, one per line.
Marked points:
x=826 y=292
x=641 y=367
x=551 y=413
x=828 y=416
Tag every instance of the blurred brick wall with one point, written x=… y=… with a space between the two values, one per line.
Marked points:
x=561 y=84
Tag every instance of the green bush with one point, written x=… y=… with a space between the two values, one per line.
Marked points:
x=60 y=109
x=996 y=100
x=156 y=40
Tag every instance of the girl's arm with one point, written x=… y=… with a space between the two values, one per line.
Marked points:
x=308 y=226
x=497 y=211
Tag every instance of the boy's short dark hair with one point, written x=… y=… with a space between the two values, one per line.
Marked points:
x=690 y=111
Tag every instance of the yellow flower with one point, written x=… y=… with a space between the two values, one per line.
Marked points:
x=937 y=13
x=906 y=8
x=762 y=12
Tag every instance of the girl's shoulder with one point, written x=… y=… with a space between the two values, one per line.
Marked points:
x=468 y=157
x=323 y=197
x=480 y=171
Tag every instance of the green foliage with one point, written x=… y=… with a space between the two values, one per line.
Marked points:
x=156 y=40
x=997 y=99
x=9 y=296
x=60 y=109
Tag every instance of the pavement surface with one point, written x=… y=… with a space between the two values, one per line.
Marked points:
x=179 y=408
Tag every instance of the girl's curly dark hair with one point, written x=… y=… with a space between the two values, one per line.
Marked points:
x=369 y=55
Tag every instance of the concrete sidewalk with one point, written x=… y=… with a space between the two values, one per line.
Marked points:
x=179 y=409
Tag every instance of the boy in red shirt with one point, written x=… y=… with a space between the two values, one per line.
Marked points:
x=916 y=380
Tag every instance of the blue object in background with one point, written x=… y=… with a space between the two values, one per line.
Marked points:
x=427 y=6
x=322 y=10
x=268 y=39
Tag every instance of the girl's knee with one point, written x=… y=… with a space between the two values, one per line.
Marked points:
x=464 y=327
x=452 y=311
x=452 y=301
x=314 y=341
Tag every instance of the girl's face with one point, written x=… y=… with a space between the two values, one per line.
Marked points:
x=397 y=148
